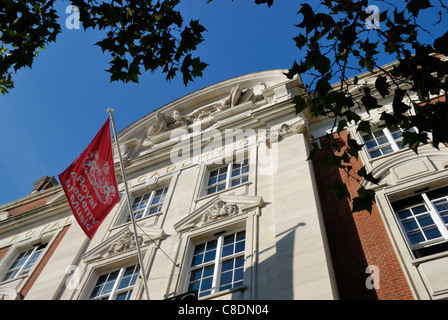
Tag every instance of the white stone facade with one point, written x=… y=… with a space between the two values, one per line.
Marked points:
x=223 y=167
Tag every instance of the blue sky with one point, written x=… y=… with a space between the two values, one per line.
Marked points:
x=58 y=106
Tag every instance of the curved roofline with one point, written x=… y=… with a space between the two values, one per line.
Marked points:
x=218 y=89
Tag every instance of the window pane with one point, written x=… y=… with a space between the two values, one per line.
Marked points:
x=200 y=248
x=442 y=208
x=376 y=153
x=206 y=283
x=239 y=246
x=227 y=250
x=226 y=277
x=231 y=269
x=128 y=277
x=196 y=275
x=415 y=237
x=239 y=273
x=104 y=287
x=124 y=295
x=409 y=225
x=212 y=181
x=213 y=173
x=197 y=260
x=425 y=220
x=227 y=265
x=397 y=134
x=382 y=140
x=432 y=233
x=419 y=209
x=371 y=144
x=387 y=150
x=210 y=256
x=239 y=262
x=210 y=251
x=236 y=172
x=193 y=286
x=211 y=190
x=208 y=271
x=405 y=214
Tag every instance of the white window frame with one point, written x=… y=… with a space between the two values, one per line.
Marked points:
x=112 y=294
x=217 y=262
x=20 y=271
x=229 y=179
x=147 y=209
x=435 y=216
x=391 y=141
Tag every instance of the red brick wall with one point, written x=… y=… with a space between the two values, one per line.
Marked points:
x=48 y=253
x=28 y=207
x=357 y=241
x=3 y=251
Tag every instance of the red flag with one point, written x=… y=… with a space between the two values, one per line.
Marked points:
x=89 y=182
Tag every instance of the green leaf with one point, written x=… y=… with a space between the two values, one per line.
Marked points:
x=414 y=6
x=300 y=103
x=340 y=189
x=364 y=201
x=364 y=126
x=382 y=86
x=369 y=102
x=329 y=161
x=342 y=124
x=314 y=151
x=300 y=40
x=441 y=44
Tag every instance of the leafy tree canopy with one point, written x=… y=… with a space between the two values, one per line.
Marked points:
x=337 y=38
x=140 y=35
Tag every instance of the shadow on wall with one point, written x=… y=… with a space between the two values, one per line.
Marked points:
x=348 y=257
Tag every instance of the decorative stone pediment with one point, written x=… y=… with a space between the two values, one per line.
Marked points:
x=123 y=242
x=218 y=209
x=216 y=107
x=200 y=119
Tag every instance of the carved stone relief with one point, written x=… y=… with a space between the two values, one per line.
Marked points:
x=124 y=243
x=9 y=294
x=218 y=211
x=300 y=126
x=200 y=119
x=165 y=123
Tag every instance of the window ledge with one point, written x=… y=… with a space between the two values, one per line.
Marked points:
x=18 y=278
x=247 y=183
x=436 y=256
x=224 y=292
x=384 y=156
x=136 y=221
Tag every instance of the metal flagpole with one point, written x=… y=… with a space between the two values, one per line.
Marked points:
x=110 y=110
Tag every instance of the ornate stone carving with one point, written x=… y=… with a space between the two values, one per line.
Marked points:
x=218 y=211
x=165 y=123
x=301 y=126
x=126 y=242
x=9 y=294
x=200 y=119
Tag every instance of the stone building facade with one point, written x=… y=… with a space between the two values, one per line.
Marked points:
x=227 y=205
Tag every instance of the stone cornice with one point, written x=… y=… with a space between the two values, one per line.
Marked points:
x=59 y=206
x=31 y=198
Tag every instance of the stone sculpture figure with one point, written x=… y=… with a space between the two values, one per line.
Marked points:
x=165 y=122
